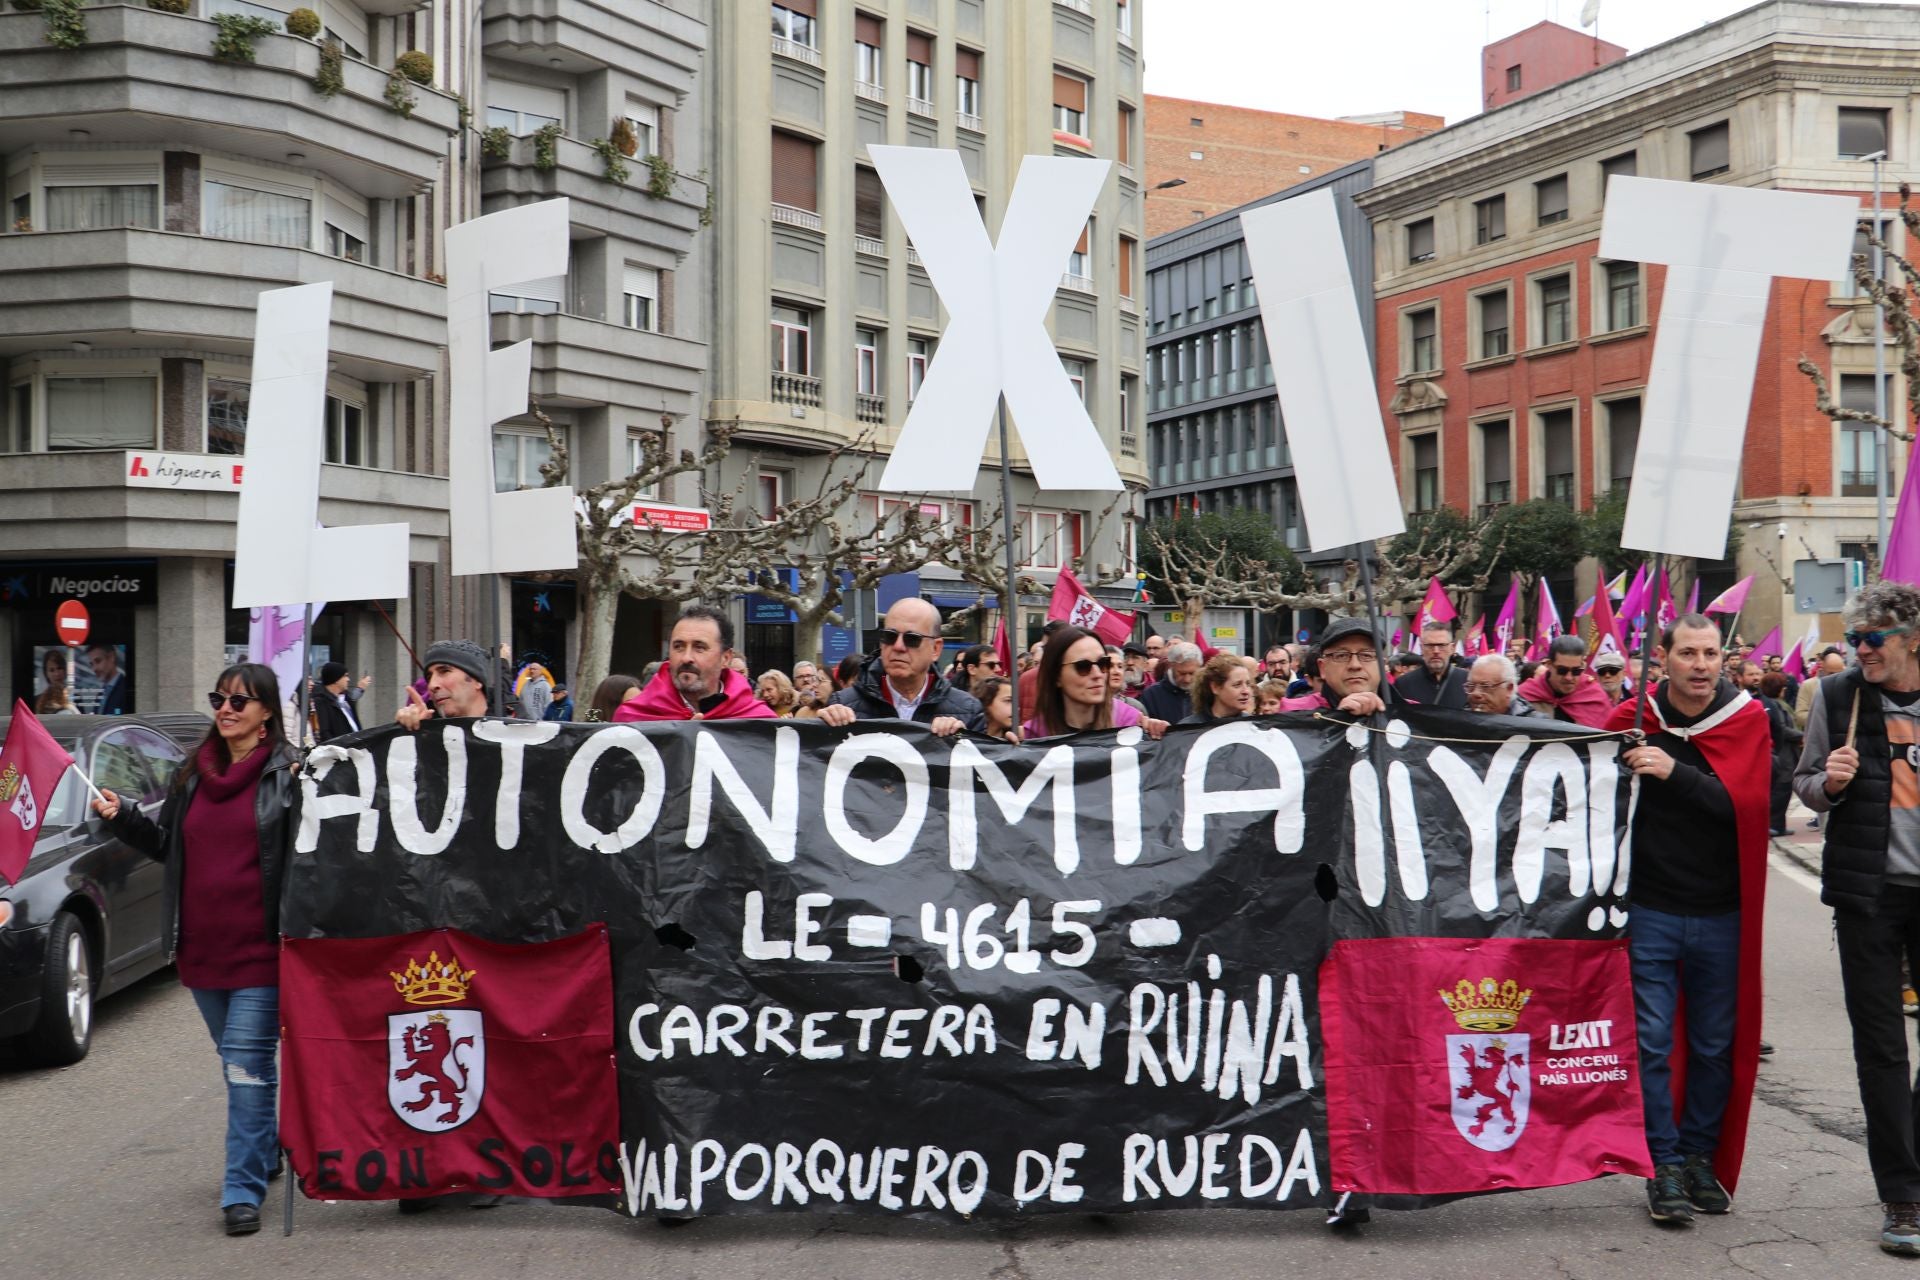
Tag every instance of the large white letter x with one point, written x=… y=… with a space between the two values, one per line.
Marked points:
x=997 y=341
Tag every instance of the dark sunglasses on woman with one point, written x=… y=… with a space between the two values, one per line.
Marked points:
x=234 y=701
x=1087 y=666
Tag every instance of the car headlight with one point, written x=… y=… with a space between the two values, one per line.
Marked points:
x=6 y=913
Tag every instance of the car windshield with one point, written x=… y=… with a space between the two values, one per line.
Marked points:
x=69 y=804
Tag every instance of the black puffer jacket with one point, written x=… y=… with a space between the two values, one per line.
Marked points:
x=1853 y=865
x=272 y=813
x=867 y=696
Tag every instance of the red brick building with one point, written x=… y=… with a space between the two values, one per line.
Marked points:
x=1512 y=360
x=1223 y=157
x=1544 y=55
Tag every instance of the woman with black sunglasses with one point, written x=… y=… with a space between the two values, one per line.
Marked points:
x=1074 y=692
x=223 y=834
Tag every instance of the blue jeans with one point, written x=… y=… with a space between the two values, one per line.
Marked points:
x=245 y=1025
x=1698 y=957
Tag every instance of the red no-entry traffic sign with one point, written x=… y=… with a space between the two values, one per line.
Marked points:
x=70 y=621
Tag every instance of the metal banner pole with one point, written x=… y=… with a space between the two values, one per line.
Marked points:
x=1010 y=597
x=306 y=676
x=1646 y=649
x=498 y=698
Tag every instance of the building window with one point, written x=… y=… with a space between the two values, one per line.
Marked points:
x=1513 y=78
x=1123 y=141
x=1554 y=295
x=770 y=493
x=19 y=436
x=920 y=72
x=796 y=171
x=1070 y=106
x=94 y=208
x=227 y=416
x=1623 y=440
x=1493 y=321
x=1426 y=472
x=869 y=37
x=1556 y=451
x=522 y=109
x=1624 y=165
x=919 y=356
x=1863 y=131
x=792 y=341
x=1709 y=151
x=640 y=297
x=1623 y=294
x=348 y=444
x=1550 y=200
x=1490 y=220
x=1863 y=248
x=1123 y=18
x=966 y=88
x=644 y=119
x=1423 y=340
x=344 y=244
x=1079 y=262
x=796 y=24
x=1077 y=375
x=234 y=212
x=1420 y=241
x=1496 y=464
x=101 y=413
x=1859 y=441
x=1048 y=539
x=869 y=206
x=1128 y=248
x=1128 y=383
x=866 y=362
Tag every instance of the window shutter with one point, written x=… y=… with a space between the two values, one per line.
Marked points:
x=868 y=30
x=1420 y=239
x=348 y=219
x=1493 y=310
x=1126 y=267
x=966 y=64
x=807 y=7
x=1069 y=92
x=643 y=281
x=1553 y=197
x=1080 y=245
x=1495 y=466
x=919 y=48
x=1710 y=150
x=795 y=172
x=1557 y=428
x=1124 y=142
x=869 y=204
x=537 y=100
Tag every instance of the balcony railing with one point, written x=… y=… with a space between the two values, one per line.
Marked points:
x=792 y=217
x=1129 y=444
x=1079 y=284
x=920 y=107
x=1129 y=305
x=798 y=52
x=871 y=92
x=870 y=409
x=871 y=247
x=913 y=257
x=970 y=123
x=796 y=388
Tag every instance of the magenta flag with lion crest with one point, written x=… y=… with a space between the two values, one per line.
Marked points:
x=437 y=1062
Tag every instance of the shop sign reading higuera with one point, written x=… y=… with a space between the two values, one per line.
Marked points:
x=153 y=469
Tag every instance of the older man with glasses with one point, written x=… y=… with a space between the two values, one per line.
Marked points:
x=1858 y=768
x=901 y=681
x=1346 y=661
x=1436 y=681
x=1490 y=687
x=1564 y=688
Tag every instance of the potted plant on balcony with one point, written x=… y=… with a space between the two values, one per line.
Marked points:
x=613 y=166
x=415 y=66
x=496 y=143
x=170 y=6
x=623 y=136
x=546 y=146
x=304 y=23
x=66 y=25
x=398 y=95
x=237 y=34
x=331 y=75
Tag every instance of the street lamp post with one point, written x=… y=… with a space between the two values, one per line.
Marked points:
x=1882 y=442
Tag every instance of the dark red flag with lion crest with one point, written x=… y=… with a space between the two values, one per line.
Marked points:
x=437 y=1062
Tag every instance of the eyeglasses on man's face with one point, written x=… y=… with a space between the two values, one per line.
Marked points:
x=1349 y=657
x=912 y=639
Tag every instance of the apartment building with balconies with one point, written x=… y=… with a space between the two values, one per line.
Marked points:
x=153 y=190
x=825 y=321
x=1513 y=359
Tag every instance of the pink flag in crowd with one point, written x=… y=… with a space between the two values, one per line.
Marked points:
x=1547 y=620
x=1733 y=599
x=1605 y=638
x=1436 y=607
x=1902 y=562
x=1767 y=648
x=1503 y=626
x=1476 y=641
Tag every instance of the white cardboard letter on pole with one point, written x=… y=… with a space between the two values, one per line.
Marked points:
x=1321 y=371
x=997 y=340
x=527 y=530
x=1722 y=246
x=280 y=553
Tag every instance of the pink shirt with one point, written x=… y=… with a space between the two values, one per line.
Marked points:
x=1124 y=717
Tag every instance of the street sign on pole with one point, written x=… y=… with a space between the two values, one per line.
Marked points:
x=70 y=622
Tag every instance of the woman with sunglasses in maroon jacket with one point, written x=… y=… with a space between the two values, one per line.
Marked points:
x=1074 y=693
x=223 y=834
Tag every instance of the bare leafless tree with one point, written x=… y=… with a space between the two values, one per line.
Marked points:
x=1893 y=306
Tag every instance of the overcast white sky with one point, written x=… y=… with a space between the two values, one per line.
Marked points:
x=1355 y=57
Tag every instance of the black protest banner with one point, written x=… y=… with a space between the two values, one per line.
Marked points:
x=875 y=970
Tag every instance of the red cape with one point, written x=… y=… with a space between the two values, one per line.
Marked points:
x=1739 y=747
x=1588 y=704
x=661 y=701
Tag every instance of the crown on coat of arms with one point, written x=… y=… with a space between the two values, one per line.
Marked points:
x=1489 y=1006
x=436 y=982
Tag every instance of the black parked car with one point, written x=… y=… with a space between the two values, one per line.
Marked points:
x=84 y=920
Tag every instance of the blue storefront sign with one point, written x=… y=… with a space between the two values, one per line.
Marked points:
x=760 y=610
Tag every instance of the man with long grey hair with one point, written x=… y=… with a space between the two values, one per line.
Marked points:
x=1858 y=768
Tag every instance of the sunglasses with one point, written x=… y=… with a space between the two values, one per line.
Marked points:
x=993 y=663
x=1872 y=639
x=234 y=701
x=1087 y=666
x=1566 y=671
x=889 y=637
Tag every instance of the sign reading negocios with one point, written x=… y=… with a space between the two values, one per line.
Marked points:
x=1084 y=975
x=44 y=583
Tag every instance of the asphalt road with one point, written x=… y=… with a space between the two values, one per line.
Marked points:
x=111 y=1169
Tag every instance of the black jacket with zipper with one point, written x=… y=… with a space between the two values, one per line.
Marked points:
x=273 y=820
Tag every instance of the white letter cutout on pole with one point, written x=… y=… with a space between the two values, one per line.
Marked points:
x=526 y=530
x=1722 y=246
x=280 y=554
x=997 y=340
x=1322 y=372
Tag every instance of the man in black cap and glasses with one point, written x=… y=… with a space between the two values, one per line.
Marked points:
x=902 y=680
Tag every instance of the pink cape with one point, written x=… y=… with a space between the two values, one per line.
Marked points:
x=659 y=700
x=1588 y=704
